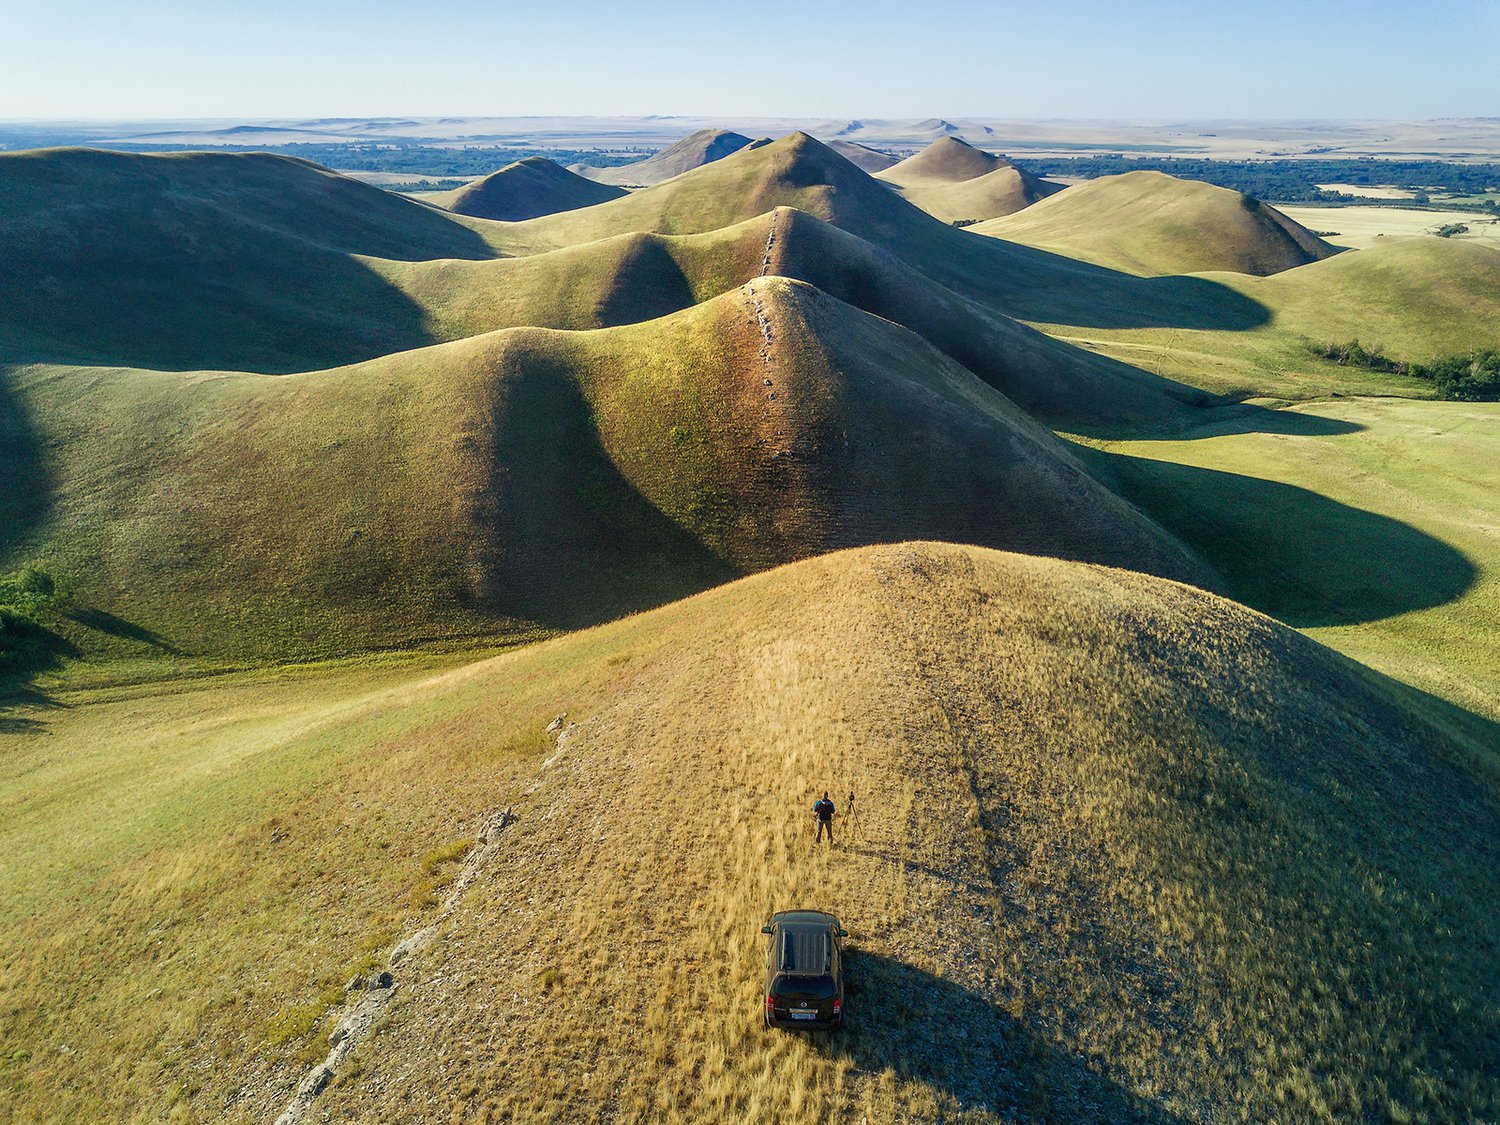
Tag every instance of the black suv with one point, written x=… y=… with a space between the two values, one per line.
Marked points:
x=804 y=970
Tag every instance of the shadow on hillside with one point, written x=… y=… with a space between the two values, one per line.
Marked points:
x=1198 y=421
x=934 y=1032
x=1038 y=285
x=1290 y=552
x=19 y=703
x=25 y=477
x=912 y=867
x=210 y=261
x=649 y=283
x=119 y=628
x=572 y=542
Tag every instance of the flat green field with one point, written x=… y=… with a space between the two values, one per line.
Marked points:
x=1373 y=524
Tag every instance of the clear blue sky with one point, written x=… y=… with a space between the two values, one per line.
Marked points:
x=1041 y=58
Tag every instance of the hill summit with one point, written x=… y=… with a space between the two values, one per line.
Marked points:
x=958 y=183
x=1150 y=223
x=524 y=190
x=693 y=151
x=946 y=160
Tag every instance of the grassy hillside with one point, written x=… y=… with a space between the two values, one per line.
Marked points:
x=1374 y=524
x=1150 y=223
x=201 y=259
x=1001 y=192
x=1004 y=277
x=523 y=190
x=863 y=157
x=1415 y=300
x=953 y=181
x=1123 y=851
x=693 y=151
x=532 y=478
x=947 y=160
x=634 y=277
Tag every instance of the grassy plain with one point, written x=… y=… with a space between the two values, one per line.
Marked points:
x=1122 y=849
x=1362 y=228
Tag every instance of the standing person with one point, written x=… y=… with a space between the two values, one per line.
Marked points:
x=823 y=810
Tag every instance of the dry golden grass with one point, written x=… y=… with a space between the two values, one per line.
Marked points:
x=1123 y=850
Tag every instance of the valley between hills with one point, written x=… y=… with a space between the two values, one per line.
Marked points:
x=428 y=618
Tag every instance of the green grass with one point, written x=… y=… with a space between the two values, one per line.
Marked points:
x=1151 y=223
x=203 y=259
x=526 y=481
x=1370 y=523
x=524 y=190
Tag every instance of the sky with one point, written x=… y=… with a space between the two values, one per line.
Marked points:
x=1143 y=60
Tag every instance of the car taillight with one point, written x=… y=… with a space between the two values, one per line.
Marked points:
x=770 y=1005
x=837 y=1004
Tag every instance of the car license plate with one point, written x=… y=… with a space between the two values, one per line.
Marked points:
x=804 y=1015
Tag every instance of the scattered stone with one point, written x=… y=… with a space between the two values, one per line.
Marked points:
x=354 y=983
x=496 y=824
x=557 y=724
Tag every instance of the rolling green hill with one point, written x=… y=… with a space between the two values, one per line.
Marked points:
x=194 y=259
x=955 y=182
x=634 y=277
x=523 y=190
x=1122 y=851
x=946 y=160
x=1151 y=223
x=531 y=479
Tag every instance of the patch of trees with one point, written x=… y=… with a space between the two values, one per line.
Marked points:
x=27 y=598
x=1296 y=181
x=1462 y=378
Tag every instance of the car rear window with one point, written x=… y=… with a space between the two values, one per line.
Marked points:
x=804 y=949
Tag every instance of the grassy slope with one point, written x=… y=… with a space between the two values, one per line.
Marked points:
x=633 y=277
x=863 y=156
x=1401 y=572
x=1124 y=851
x=1151 y=223
x=693 y=151
x=947 y=160
x=1416 y=299
x=523 y=190
x=1001 y=192
x=200 y=259
x=953 y=181
x=532 y=478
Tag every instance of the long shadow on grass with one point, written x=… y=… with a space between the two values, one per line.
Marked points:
x=25 y=477
x=968 y=1051
x=572 y=541
x=1038 y=285
x=1291 y=552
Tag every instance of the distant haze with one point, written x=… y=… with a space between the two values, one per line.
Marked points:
x=1164 y=59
